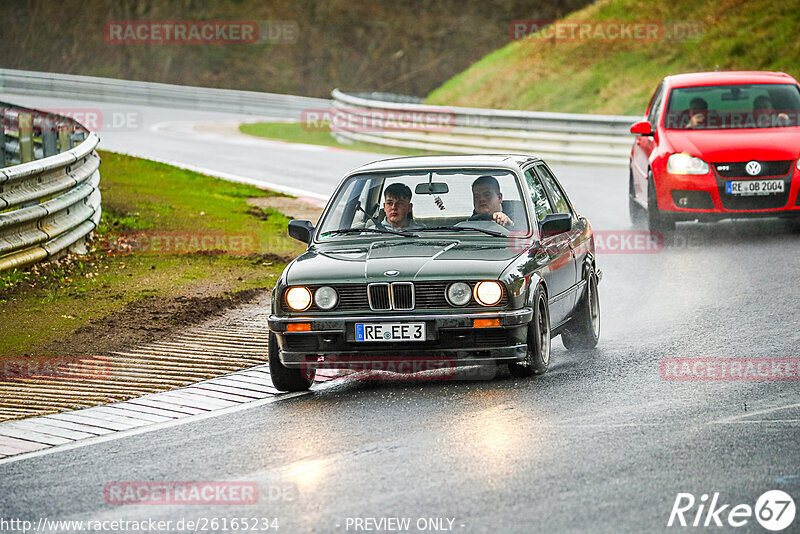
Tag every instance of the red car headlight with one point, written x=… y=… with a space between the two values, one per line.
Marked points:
x=682 y=163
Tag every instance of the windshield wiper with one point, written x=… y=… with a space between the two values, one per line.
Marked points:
x=461 y=229
x=375 y=230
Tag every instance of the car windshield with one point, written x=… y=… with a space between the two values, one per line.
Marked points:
x=419 y=202
x=720 y=107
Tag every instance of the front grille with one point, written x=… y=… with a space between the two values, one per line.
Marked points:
x=395 y=296
x=352 y=297
x=754 y=202
x=768 y=168
x=426 y=295
x=379 y=297
x=403 y=295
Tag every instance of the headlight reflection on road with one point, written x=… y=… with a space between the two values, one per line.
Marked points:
x=306 y=474
x=492 y=440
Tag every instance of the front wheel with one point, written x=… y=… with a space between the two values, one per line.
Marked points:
x=284 y=378
x=635 y=211
x=538 y=356
x=656 y=220
x=583 y=330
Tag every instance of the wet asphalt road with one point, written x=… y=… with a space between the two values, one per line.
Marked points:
x=601 y=443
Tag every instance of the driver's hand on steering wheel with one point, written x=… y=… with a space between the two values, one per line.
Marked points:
x=501 y=218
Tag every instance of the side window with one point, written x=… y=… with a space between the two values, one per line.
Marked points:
x=557 y=194
x=652 y=116
x=539 y=198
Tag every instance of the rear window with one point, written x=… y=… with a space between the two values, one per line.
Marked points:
x=719 y=107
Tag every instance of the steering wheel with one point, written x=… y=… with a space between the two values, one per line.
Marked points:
x=482 y=217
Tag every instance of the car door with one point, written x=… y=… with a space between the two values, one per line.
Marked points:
x=558 y=275
x=644 y=145
x=567 y=265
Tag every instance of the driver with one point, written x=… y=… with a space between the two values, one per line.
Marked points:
x=488 y=201
x=762 y=107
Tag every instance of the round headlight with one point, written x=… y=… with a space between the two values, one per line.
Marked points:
x=326 y=297
x=488 y=293
x=298 y=298
x=459 y=293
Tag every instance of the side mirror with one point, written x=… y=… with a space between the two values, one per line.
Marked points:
x=556 y=223
x=301 y=230
x=642 y=128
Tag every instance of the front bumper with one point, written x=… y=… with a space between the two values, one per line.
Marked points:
x=705 y=197
x=450 y=338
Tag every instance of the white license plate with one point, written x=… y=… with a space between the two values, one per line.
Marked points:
x=390 y=331
x=754 y=187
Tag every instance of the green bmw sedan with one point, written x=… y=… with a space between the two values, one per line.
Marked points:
x=437 y=261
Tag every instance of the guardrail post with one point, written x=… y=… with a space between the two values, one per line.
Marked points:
x=2 y=138
x=65 y=137
x=49 y=141
x=25 y=137
x=77 y=138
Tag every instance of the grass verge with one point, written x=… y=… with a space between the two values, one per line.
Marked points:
x=167 y=235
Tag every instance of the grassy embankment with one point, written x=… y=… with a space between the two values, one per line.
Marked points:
x=45 y=304
x=618 y=76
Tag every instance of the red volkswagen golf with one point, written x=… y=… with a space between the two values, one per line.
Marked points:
x=716 y=145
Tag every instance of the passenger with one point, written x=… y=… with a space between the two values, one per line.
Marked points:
x=488 y=201
x=398 y=207
x=762 y=107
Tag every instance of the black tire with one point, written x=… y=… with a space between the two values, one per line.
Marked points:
x=793 y=225
x=656 y=221
x=284 y=378
x=583 y=330
x=635 y=210
x=538 y=357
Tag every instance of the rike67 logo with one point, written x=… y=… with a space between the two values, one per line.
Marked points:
x=774 y=510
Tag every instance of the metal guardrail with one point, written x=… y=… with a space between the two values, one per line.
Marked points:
x=49 y=188
x=559 y=137
x=155 y=94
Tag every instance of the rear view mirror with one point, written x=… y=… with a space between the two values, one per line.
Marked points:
x=556 y=223
x=301 y=230
x=736 y=93
x=642 y=128
x=432 y=188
